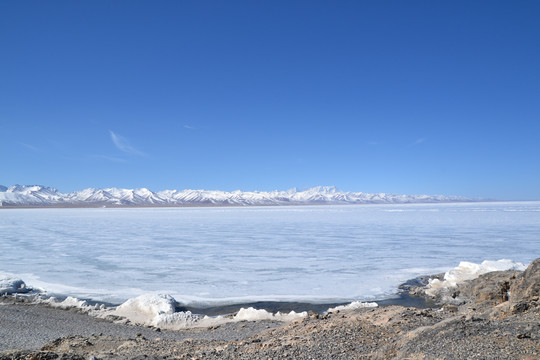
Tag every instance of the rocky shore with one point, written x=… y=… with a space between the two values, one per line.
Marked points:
x=496 y=316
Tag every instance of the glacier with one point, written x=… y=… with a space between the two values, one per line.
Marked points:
x=44 y=196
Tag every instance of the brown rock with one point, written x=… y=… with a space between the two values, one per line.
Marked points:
x=450 y=308
x=519 y=307
x=489 y=289
x=526 y=287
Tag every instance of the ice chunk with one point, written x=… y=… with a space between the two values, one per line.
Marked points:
x=252 y=314
x=353 y=306
x=67 y=303
x=175 y=321
x=12 y=285
x=145 y=308
x=469 y=271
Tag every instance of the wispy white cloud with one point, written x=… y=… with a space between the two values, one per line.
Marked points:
x=30 y=147
x=419 y=141
x=189 y=127
x=123 y=145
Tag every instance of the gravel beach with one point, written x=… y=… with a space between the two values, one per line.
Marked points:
x=496 y=316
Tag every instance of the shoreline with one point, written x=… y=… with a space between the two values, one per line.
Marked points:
x=494 y=316
x=26 y=314
x=402 y=297
x=24 y=308
x=30 y=326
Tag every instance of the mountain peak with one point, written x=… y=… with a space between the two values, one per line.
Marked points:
x=38 y=195
x=323 y=189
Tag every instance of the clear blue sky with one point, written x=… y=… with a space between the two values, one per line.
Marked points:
x=409 y=97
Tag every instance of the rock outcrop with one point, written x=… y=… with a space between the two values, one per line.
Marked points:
x=496 y=293
x=526 y=286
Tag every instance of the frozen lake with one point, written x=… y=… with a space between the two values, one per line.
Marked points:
x=211 y=256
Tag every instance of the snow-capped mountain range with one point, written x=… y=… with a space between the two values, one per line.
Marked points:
x=42 y=196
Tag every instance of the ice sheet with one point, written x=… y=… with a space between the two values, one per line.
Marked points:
x=212 y=256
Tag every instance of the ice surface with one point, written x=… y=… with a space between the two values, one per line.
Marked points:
x=217 y=256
